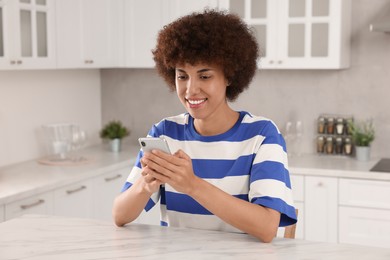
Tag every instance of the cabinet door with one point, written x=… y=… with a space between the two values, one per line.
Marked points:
x=180 y=8
x=321 y=209
x=27 y=34
x=368 y=227
x=299 y=34
x=39 y=204
x=106 y=188
x=74 y=200
x=142 y=24
x=87 y=33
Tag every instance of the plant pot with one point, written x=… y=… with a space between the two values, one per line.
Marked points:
x=363 y=153
x=115 y=145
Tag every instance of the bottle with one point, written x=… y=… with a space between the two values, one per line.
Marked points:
x=321 y=125
x=339 y=145
x=347 y=146
x=329 y=145
x=339 y=126
x=320 y=144
x=330 y=125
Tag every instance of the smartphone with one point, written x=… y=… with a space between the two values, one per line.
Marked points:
x=153 y=143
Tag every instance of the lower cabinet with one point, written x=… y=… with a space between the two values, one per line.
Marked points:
x=321 y=207
x=74 y=200
x=39 y=204
x=106 y=188
x=364 y=216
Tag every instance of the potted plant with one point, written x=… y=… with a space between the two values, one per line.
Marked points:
x=363 y=134
x=114 y=131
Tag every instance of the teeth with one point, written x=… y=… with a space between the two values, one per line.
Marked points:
x=196 y=102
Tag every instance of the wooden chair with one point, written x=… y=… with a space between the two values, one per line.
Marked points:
x=289 y=231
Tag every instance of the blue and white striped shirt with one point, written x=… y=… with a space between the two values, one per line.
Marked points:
x=249 y=161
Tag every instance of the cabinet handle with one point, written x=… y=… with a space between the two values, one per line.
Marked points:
x=113 y=178
x=280 y=61
x=88 y=61
x=19 y=62
x=13 y=62
x=32 y=204
x=76 y=190
x=271 y=62
x=320 y=184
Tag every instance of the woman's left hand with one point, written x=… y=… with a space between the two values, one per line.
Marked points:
x=176 y=169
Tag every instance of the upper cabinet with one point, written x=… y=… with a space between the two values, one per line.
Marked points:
x=298 y=34
x=142 y=24
x=27 y=34
x=89 y=33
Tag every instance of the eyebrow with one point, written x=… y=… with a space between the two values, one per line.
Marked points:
x=199 y=71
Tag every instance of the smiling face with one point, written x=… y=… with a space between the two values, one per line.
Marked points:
x=202 y=90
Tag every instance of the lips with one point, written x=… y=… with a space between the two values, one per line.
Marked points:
x=194 y=103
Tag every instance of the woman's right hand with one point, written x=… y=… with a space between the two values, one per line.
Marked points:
x=149 y=183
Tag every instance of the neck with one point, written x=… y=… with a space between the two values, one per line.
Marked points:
x=217 y=124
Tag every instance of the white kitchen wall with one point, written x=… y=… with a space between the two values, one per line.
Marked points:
x=29 y=99
x=140 y=98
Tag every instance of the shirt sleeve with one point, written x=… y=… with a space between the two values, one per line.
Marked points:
x=270 y=184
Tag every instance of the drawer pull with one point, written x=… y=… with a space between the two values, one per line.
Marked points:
x=76 y=190
x=113 y=178
x=32 y=204
x=320 y=184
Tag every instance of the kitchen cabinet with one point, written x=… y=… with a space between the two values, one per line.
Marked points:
x=321 y=209
x=364 y=212
x=297 y=184
x=143 y=23
x=74 y=200
x=106 y=188
x=39 y=204
x=2 y=213
x=27 y=39
x=89 y=33
x=298 y=34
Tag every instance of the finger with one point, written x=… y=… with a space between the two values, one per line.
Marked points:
x=181 y=154
x=159 y=157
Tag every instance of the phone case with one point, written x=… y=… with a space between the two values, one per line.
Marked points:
x=153 y=143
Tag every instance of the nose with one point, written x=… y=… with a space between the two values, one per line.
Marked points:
x=192 y=87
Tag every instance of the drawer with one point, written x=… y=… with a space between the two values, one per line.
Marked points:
x=365 y=193
x=297 y=187
x=361 y=226
x=39 y=204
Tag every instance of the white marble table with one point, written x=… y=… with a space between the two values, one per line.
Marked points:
x=46 y=237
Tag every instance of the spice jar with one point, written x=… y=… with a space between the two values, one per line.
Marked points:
x=330 y=125
x=321 y=125
x=339 y=145
x=340 y=126
x=347 y=146
x=329 y=145
x=320 y=144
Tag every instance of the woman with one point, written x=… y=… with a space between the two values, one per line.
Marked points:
x=229 y=169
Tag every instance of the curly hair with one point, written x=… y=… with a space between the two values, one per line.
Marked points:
x=211 y=37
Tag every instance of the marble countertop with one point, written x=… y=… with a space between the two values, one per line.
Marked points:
x=46 y=237
x=335 y=166
x=29 y=178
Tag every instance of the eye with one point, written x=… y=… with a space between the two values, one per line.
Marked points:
x=181 y=77
x=204 y=77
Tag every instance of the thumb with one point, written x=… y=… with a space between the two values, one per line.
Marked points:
x=181 y=154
